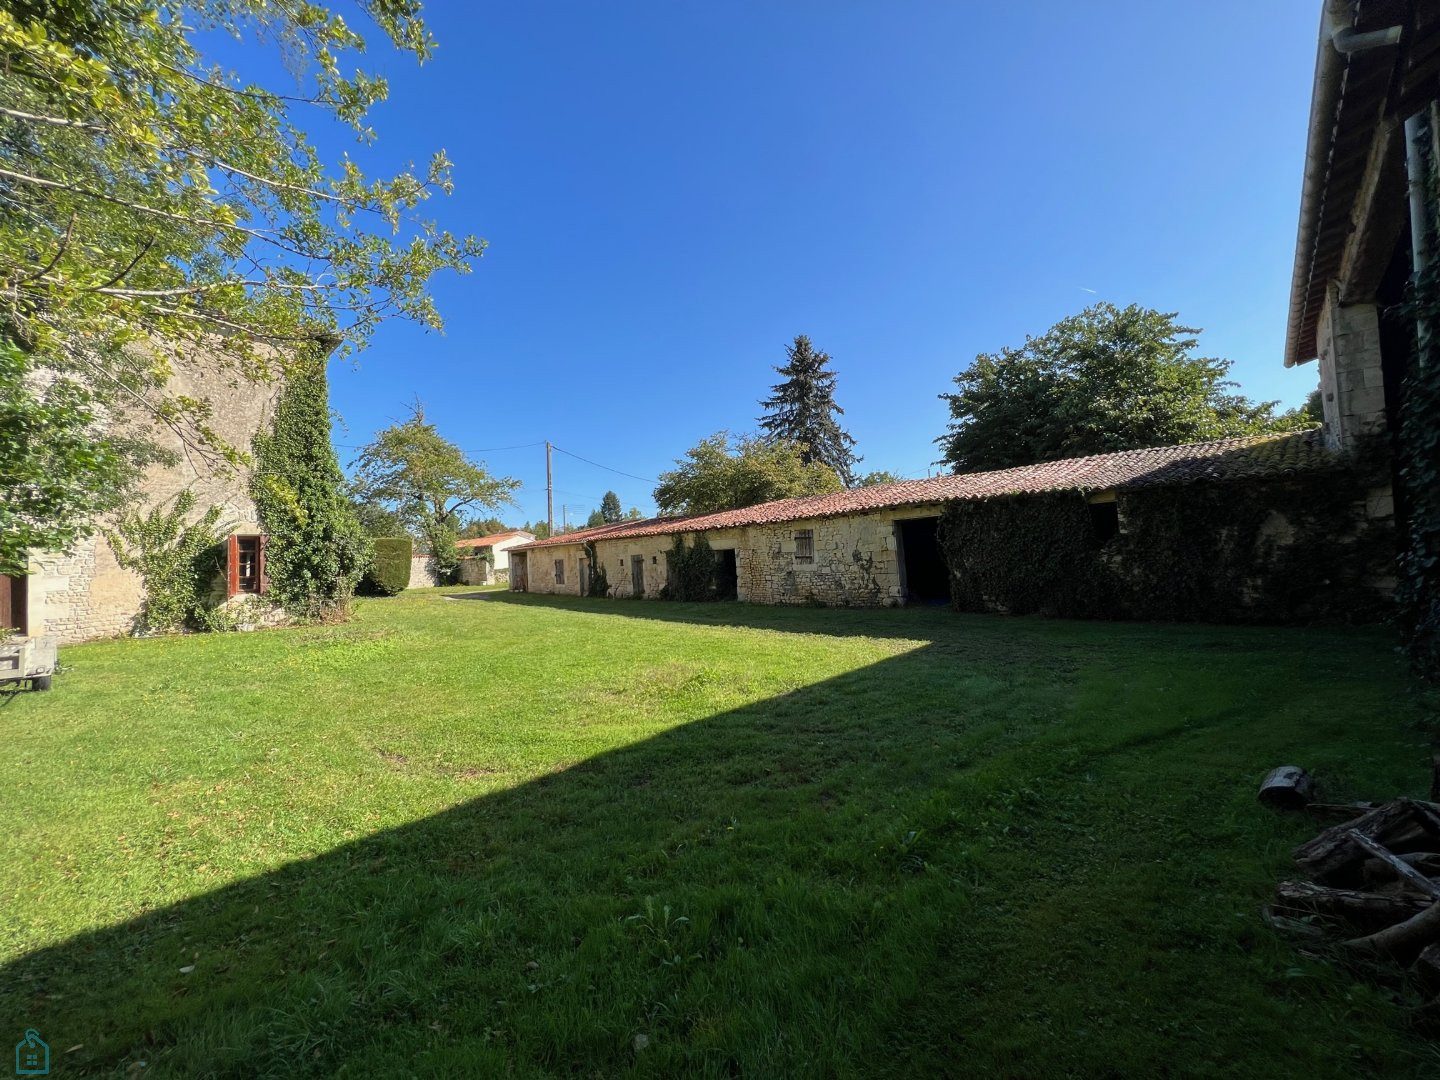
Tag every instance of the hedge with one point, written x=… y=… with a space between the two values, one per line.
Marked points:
x=390 y=572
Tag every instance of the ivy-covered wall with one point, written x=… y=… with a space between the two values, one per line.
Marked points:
x=1275 y=551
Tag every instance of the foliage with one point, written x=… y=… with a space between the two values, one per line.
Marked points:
x=802 y=411
x=376 y=520
x=1267 y=552
x=879 y=476
x=414 y=470
x=610 y=508
x=177 y=562
x=1105 y=379
x=720 y=475
x=389 y=572
x=599 y=581
x=158 y=208
x=690 y=572
x=55 y=476
x=1418 y=593
x=595 y=520
x=316 y=551
x=478 y=527
x=540 y=530
x=460 y=790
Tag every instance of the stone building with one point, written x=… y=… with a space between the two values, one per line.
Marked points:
x=1363 y=221
x=879 y=546
x=85 y=593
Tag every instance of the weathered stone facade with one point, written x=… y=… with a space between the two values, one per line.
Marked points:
x=856 y=561
x=84 y=593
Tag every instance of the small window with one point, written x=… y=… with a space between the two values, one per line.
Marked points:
x=559 y=571
x=804 y=545
x=245 y=566
x=1105 y=520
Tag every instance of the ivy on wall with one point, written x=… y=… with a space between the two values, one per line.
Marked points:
x=316 y=552
x=1290 y=550
x=690 y=570
x=599 y=580
x=1418 y=470
x=178 y=563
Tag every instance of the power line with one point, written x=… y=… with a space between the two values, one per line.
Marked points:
x=607 y=468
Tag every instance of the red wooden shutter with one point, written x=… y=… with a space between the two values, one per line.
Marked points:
x=232 y=565
x=263 y=567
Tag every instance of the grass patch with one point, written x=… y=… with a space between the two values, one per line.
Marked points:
x=530 y=836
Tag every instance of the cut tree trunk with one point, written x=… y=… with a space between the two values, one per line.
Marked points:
x=1287 y=788
x=1403 y=870
x=1360 y=910
x=1334 y=858
x=1427 y=862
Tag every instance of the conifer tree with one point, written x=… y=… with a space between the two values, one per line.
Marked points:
x=802 y=410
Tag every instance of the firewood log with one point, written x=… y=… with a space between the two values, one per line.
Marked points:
x=1403 y=870
x=1427 y=968
x=1404 y=941
x=1335 y=859
x=1360 y=910
x=1427 y=862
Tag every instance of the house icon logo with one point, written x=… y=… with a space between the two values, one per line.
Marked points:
x=32 y=1055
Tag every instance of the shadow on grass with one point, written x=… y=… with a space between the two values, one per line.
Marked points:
x=792 y=888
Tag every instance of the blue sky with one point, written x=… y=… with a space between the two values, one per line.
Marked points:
x=672 y=190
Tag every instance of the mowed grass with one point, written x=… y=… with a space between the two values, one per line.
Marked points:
x=523 y=836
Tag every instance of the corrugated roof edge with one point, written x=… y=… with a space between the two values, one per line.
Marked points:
x=1245 y=457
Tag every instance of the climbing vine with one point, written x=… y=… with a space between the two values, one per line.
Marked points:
x=599 y=581
x=316 y=552
x=1418 y=469
x=1292 y=550
x=178 y=563
x=691 y=570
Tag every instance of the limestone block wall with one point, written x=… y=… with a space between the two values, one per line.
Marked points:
x=84 y=593
x=476 y=571
x=422 y=572
x=1352 y=382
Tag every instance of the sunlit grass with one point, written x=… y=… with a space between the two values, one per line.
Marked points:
x=529 y=836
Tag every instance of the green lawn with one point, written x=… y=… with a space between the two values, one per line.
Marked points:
x=532 y=836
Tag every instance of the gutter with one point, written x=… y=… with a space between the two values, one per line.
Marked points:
x=1339 y=40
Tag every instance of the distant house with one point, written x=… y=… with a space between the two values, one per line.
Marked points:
x=499 y=545
x=881 y=546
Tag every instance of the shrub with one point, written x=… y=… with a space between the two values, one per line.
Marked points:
x=176 y=562
x=390 y=570
x=691 y=570
x=599 y=580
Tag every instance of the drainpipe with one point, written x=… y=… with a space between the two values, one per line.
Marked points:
x=1419 y=151
x=1340 y=15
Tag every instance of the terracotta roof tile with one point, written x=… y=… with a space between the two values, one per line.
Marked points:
x=1247 y=457
x=492 y=539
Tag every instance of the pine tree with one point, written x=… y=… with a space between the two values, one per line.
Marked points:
x=802 y=410
x=610 y=507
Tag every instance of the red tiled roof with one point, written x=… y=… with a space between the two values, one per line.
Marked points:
x=1247 y=457
x=492 y=540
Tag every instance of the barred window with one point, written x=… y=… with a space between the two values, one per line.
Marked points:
x=804 y=545
x=559 y=571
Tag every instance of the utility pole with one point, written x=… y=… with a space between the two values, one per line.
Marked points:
x=549 y=490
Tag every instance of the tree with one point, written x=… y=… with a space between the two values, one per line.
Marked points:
x=634 y=514
x=1103 y=380
x=540 y=530
x=377 y=521
x=802 y=410
x=156 y=209
x=595 y=520
x=315 y=551
x=610 y=508
x=879 y=476
x=716 y=475
x=477 y=527
x=428 y=480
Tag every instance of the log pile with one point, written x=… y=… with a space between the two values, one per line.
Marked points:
x=1373 y=885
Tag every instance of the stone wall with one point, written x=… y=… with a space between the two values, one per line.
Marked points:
x=84 y=593
x=857 y=561
x=476 y=571
x=422 y=572
x=1352 y=382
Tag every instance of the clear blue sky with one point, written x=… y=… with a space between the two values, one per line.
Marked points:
x=673 y=190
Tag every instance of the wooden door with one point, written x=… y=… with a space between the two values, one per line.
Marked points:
x=519 y=571
x=13 y=591
x=637 y=574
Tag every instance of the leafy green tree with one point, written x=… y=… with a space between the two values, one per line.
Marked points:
x=540 y=530
x=316 y=551
x=1106 y=379
x=377 y=521
x=414 y=470
x=879 y=476
x=610 y=508
x=720 y=475
x=477 y=527
x=158 y=209
x=802 y=410
x=596 y=519
x=634 y=514
x=55 y=478
x=177 y=562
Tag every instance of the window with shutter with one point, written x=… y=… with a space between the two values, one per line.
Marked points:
x=245 y=570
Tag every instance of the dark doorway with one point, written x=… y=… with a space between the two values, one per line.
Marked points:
x=520 y=571
x=727 y=576
x=927 y=578
x=637 y=574
x=12 y=603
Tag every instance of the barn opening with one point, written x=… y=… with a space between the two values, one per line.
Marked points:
x=927 y=578
x=727 y=575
